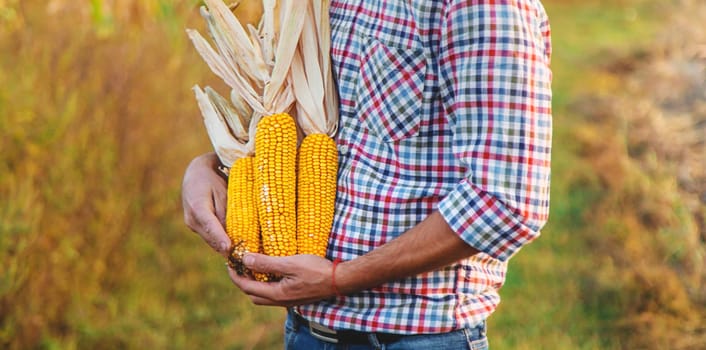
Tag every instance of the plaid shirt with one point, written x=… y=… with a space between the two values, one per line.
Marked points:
x=445 y=105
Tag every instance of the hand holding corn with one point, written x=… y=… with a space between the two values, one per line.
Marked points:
x=280 y=198
x=204 y=201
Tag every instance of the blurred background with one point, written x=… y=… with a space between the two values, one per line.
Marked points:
x=98 y=122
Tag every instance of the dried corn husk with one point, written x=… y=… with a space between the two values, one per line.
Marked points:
x=227 y=147
x=282 y=65
x=317 y=100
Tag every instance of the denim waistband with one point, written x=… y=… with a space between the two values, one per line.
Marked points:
x=352 y=337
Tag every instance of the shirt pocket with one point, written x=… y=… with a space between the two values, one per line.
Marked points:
x=390 y=90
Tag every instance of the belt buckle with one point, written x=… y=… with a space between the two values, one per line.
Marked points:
x=322 y=332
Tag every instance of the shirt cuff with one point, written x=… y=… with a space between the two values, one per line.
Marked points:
x=484 y=222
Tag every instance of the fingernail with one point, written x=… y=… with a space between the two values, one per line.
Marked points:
x=248 y=259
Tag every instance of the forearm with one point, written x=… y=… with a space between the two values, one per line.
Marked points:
x=308 y=278
x=427 y=246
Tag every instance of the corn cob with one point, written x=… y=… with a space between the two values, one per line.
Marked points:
x=241 y=215
x=227 y=129
x=254 y=62
x=316 y=193
x=292 y=35
x=317 y=116
x=275 y=183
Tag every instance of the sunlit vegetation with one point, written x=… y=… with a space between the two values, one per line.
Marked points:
x=98 y=122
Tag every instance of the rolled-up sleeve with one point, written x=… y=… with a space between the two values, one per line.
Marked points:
x=496 y=88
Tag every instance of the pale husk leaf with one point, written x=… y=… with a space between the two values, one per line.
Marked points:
x=290 y=30
x=226 y=146
x=284 y=100
x=314 y=87
x=306 y=106
x=241 y=107
x=330 y=93
x=331 y=105
x=250 y=61
x=309 y=46
x=236 y=123
x=268 y=30
x=210 y=56
x=230 y=75
x=222 y=44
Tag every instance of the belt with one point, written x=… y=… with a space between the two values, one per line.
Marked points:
x=329 y=335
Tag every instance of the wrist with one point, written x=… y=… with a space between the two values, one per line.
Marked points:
x=334 y=284
x=345 y=279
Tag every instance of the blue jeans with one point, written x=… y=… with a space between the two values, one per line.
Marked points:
x=298 y=337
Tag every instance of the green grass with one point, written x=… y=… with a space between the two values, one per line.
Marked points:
x=544 y=305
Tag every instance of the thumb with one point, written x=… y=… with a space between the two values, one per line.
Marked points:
x=264 y=263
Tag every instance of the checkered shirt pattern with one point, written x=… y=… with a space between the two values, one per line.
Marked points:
x=445 y=105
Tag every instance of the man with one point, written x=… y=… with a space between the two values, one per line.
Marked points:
x=444 y=145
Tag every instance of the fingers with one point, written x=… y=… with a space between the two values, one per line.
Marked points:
x=265 y=293
x=266 y=264
x=305 y=278
x=202 y=221
x=220 y=200
x=261 y=293
x=204 y=201
x=212 y=232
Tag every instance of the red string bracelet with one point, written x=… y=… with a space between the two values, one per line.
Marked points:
x=333 y=278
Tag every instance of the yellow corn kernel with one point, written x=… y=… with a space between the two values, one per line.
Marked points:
x=275 y=183
x=241 y=215
x=316 y=193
